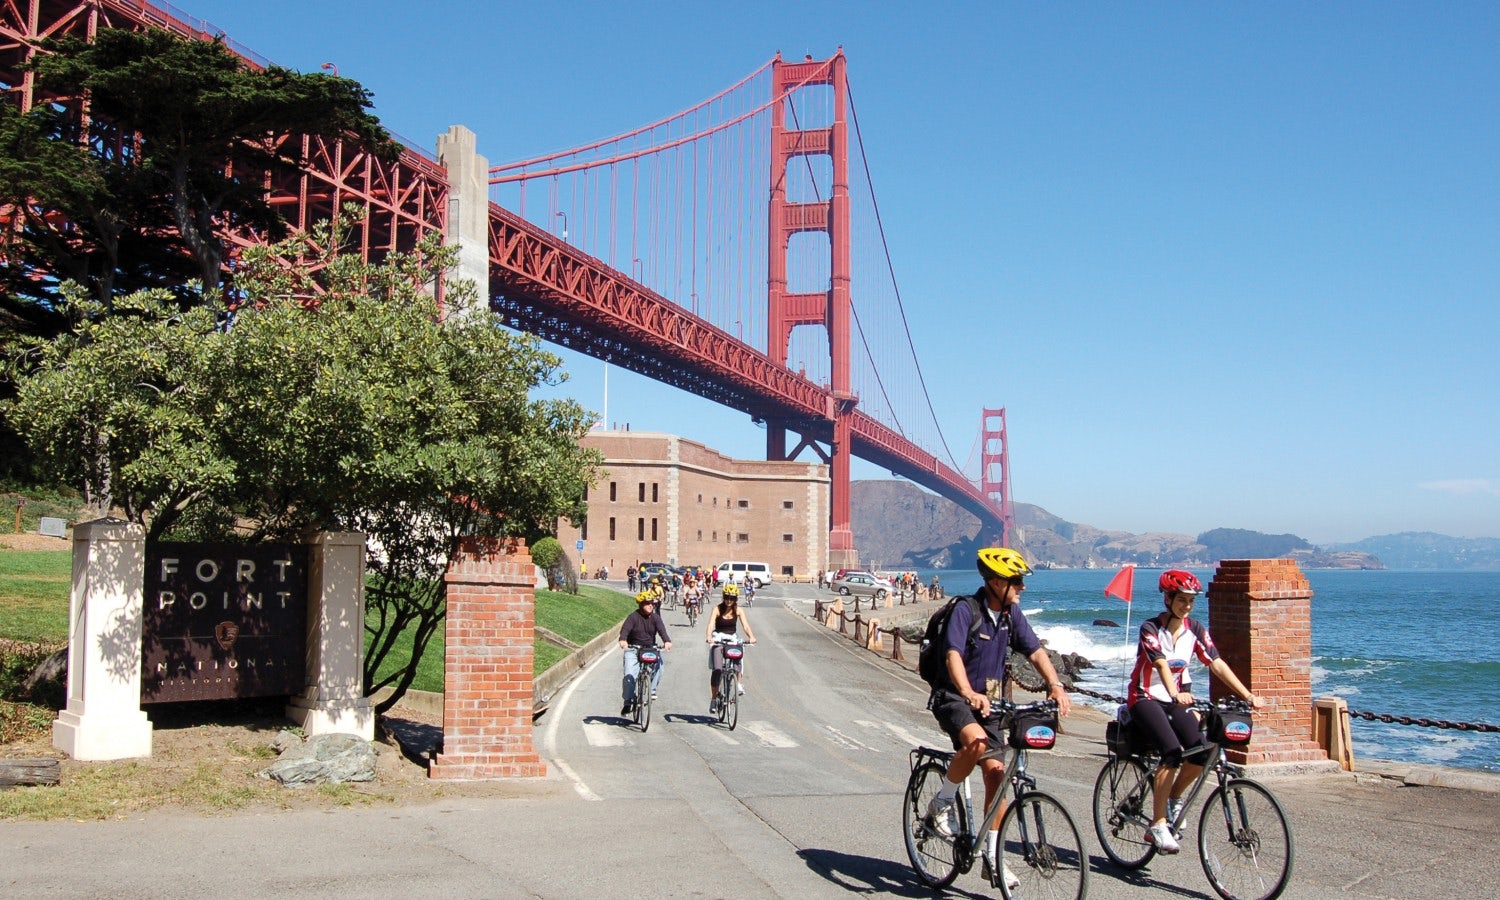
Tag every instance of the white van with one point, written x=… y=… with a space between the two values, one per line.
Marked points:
x=740 y=572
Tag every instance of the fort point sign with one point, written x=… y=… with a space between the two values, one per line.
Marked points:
x=222 y=621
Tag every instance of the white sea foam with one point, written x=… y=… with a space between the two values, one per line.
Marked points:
x=1072 y=639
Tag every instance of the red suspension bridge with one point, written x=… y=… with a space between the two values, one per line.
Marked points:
x=734 y=250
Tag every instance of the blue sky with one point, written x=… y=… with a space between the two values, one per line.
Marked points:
x=1227 y=265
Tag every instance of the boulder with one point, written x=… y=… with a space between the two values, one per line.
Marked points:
x=1106 y=623
x=322 y=759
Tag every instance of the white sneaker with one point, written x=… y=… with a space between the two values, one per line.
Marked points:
x=1160 y=834
x=742 y=690
x=1011 y=881
x=1174 y=807
x=944 y=816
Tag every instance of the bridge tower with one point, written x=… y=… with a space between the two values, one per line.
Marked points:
x=830 y=308
x=994 y=472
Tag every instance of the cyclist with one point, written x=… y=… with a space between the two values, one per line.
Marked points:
x=724 y=625
x=637 y=633
x=1161 y=696
x=962 y=704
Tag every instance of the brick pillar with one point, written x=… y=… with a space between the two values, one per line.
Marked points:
x=1260 y=616
x=487 y=682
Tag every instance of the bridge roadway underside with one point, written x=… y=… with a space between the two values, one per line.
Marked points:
x=604 y=340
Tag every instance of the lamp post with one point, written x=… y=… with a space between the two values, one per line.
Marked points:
x=564 y=216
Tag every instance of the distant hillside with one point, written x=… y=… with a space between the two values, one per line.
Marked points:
x=1426 y=550
x=897 y=524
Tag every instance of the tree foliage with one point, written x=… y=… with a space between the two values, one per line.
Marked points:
x=180 y=137
x=338 y=396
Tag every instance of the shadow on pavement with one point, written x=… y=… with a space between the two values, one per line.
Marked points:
x=868 y=875
x=691 y=718
x=1103 y=868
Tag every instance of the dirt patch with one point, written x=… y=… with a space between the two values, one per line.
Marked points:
x=33 y=541
x=207 y=762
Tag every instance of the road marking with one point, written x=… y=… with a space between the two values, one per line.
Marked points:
x=840 y=738
x=578 y=785
x=601 y=735
x=723 y=735
x=770 y=736
x=906 y=737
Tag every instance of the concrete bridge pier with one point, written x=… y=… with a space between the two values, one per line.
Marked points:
x=468 y=205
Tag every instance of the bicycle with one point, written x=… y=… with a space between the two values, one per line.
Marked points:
x=1036 y=831
x=693 y=604
x=729 y=681
x=646 y=661
x=1244 y=841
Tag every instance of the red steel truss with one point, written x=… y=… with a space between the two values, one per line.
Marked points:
x=543 y=285
x=400 y=200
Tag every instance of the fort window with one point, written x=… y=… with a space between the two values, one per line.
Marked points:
x=640 y=529
x=787 y=538
x=654 y=497
x=583 y=532
x=653 y=529
x=641 y=494
x=611 y=492
x=742 y=538
x=744 y=504
x=788 y=504
x=700 y=534
x=611 y=527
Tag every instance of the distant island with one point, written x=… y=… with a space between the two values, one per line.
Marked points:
x=899 y=525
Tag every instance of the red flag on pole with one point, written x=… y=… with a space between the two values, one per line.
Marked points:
x=1122 y=584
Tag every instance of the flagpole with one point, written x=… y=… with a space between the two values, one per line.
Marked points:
x=1122 y=586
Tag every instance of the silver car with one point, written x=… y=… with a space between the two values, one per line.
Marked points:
x=863 y=584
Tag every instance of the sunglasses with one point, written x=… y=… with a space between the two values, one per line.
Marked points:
x=1016 y=582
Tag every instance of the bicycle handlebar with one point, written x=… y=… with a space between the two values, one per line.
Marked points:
x=1233 y=704
x=1000 y=709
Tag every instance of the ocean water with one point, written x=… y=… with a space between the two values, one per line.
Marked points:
x=1398 y=642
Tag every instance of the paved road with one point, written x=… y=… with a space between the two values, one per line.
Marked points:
x=800 y=801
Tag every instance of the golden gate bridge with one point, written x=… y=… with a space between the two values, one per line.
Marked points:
x=734 y=250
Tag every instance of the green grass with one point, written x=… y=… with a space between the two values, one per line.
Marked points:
x=34 y=589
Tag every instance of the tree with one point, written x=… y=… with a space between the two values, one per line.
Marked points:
x=370 y=409
x=180 y=137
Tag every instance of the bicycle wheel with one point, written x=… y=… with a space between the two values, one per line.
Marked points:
x=729 y=707
x=1043 y=849
x=1244 y=842
x=937 y=860
x=1122 y=813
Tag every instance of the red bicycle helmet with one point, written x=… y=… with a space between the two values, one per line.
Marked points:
x=1180 y=582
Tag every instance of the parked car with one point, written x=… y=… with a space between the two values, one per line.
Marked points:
x=862 y=584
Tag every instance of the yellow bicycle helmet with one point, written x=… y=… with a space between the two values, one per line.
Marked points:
x=645 y=597
x=1001 y=562
x=731 y=591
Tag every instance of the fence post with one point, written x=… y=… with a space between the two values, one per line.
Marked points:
x=1331 y=730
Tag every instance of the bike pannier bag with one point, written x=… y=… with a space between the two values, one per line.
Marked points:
x=733 y=651
x=649 y=657
x=1033 y=730
x=1227 y=728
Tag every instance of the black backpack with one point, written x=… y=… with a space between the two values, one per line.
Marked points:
x=932 y=662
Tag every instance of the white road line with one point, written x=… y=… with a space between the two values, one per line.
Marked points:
x=600 y=734
x=578 y=785
x=556 y=715
x=905 y=737
x=840 y=738
x=770 y=735
x=723 y=735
